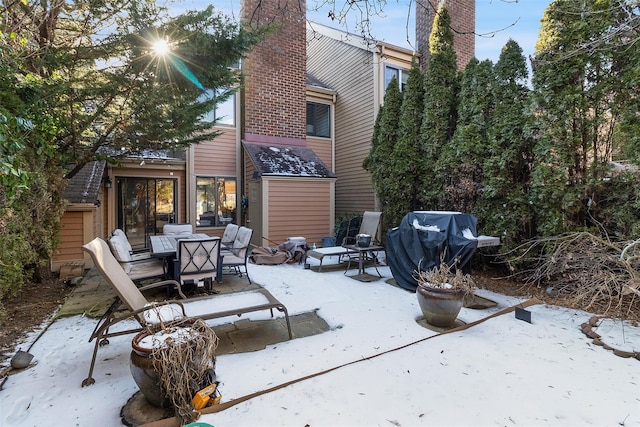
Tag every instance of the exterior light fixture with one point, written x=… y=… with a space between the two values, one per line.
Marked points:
x=107 y=182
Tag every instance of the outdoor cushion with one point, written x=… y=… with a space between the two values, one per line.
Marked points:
x=230 y=234
x=146 y=269
x=232 y=259
x=120 y=251
x=119 y=233
x=134 y=255
x=136 y=269
x=177 y=229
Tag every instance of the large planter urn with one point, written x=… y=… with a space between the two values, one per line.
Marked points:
x=184 y=346
x=440 y=305
x=143 y=372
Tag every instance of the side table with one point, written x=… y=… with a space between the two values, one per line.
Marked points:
x=361 y=254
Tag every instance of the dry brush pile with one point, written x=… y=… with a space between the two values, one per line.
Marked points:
x=584 y=271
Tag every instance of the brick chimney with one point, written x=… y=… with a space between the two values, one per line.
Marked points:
x=463 y=25
x=274 y=101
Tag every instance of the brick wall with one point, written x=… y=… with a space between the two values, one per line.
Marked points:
x=463 y=24
x=274 y=101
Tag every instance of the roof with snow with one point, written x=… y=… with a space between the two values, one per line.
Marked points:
x=287 y=161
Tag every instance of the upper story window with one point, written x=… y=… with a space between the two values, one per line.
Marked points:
x=401 y=76
x=318 y=119
x=225 y=112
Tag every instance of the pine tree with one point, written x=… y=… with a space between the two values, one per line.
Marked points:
x=459 y=159
x=379 y=161
x=439 y=119
x=406 y=174
x=92 y=77
x=81 y=81
x=576 y=93
x=504 y=208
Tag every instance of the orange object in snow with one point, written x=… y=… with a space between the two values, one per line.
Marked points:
x=203 y=397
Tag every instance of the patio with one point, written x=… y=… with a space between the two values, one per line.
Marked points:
x=372 y=363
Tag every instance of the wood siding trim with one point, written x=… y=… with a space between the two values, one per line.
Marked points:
x=298 y=207
x=77 y=228
x=217 y=157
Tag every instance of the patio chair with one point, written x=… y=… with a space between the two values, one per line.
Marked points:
x=136 y=254
x=369 y=225
x=177 y=229
x=229 y=235
x=198 y=262
x=236 y=256
x=136 y=269
x=130 y=303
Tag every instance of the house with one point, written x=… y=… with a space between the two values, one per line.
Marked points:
x=289 y=157
x=359 y=70
x=360 y=79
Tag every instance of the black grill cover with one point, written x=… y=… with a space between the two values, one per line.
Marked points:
x=410 y=246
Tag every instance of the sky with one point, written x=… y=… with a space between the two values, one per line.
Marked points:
x=496 y=22
x=390 y=370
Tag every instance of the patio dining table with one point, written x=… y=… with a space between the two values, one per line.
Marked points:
x=167 y=247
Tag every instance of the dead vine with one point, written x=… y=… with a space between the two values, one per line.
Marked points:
x=584 y=270
x=185 y=365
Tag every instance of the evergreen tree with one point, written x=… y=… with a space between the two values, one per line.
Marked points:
x=379 y=161
x=406 y=174
x=82 y=81
x=94 y=76
x=439 y=119
x=504 y=209
x=576 y=93
x=627 y=64
x=459 y=159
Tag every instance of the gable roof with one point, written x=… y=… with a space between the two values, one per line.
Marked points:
x=287 y=161
x=84 y=187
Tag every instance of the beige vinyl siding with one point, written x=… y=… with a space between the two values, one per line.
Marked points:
x=217 y=157
x=299 y=207
x=322 y=147
x=353 y=80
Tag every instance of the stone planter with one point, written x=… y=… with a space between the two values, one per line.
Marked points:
x=440 y=306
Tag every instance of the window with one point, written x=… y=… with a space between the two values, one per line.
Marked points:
x=318 y=119
x=224 y=112
x=401 y=75
x=216 y=201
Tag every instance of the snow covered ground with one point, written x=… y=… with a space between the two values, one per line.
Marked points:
x=502 y=371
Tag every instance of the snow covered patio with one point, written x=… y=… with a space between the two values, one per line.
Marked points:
x=391 y=370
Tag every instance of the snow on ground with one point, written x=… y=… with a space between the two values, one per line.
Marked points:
x=502 y=371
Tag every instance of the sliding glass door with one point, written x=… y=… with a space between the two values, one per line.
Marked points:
x=144 y=205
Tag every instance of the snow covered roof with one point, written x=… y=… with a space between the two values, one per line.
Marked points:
x=287 y=161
